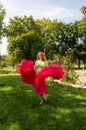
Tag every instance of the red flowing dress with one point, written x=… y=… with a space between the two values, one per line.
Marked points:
x=26 y=70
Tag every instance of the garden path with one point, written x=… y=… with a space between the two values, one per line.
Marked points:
x=81 y=78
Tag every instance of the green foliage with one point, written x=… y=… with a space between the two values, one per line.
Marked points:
x=71 y=77
x=31 y=36
x=48 y=34
x=2 y=24
x=22 y=40
x=83 y=10
x=27 y=36
x=65 y=107
x=67 y=62
x=66 y=37
x=7 y=70
x=2 y=15
x=51 y=62
x=2 y=61
x=81 y=43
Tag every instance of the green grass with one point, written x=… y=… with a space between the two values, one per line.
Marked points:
x=65 y=108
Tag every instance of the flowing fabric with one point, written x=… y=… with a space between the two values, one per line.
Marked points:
x=26 y=69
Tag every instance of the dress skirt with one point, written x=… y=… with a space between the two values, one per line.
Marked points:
x=26 y=70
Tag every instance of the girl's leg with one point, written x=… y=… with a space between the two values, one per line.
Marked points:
x=42 y=99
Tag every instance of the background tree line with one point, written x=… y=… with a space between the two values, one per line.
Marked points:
x=27 y=36
x=2 y=15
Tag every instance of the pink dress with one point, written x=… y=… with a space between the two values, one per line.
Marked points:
x=26 y=69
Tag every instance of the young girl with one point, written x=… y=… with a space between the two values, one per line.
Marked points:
x=35 y=74
x=39 y=64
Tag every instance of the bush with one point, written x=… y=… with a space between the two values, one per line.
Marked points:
x=67 y=63
x=7 y=70
x=70 y=77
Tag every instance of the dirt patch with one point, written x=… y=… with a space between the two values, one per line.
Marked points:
x=81 y=78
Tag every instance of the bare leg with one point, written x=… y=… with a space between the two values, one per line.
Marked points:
x=42 y=98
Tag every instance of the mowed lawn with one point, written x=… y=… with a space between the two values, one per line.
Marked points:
x=65 y=108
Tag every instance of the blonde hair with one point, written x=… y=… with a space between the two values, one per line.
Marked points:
x=43 y=55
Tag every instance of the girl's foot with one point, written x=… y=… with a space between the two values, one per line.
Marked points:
x=42 y=102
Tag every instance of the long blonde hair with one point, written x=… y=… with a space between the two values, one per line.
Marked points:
x=43 y=55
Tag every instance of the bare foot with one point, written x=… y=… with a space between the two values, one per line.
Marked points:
x=42 y=102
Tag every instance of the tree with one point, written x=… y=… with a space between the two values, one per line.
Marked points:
x=66 y=37
x=23 y=38
x=82 y=38
x=26 y=37
x=48 y=35
x=2 y=15
x=83 y=10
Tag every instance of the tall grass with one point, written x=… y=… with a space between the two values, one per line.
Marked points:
x=65 y=108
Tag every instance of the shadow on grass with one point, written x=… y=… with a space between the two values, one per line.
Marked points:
x=65 y=108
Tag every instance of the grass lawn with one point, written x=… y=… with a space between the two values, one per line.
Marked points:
x=65 y=108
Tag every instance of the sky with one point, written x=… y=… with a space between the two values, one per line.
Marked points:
x=63 y=10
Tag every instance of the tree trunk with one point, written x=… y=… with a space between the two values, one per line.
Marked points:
x=78 y=62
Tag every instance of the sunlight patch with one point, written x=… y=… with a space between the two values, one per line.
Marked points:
x=69 y=95
x=47 y=95
x=80 y=97
x=29 y=91
x=64 y=110
x=14 y=126
x=6 y=88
